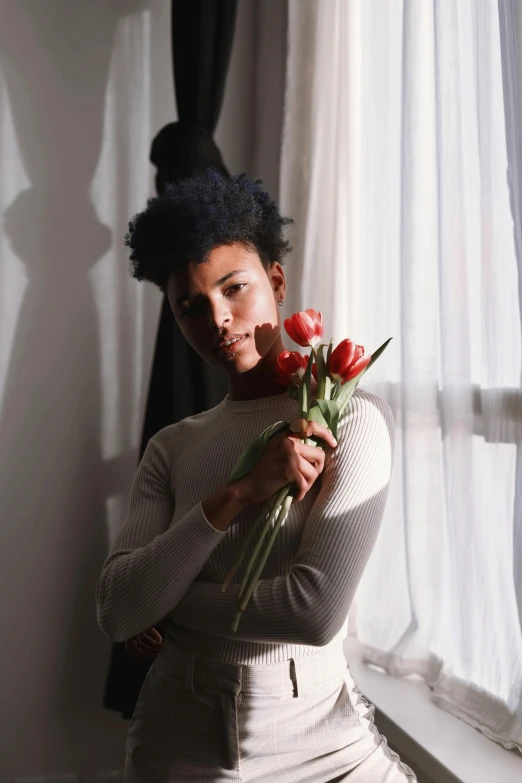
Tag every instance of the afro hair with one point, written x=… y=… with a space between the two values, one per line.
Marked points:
x=198 y=213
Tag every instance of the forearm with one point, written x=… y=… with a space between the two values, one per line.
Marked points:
x=307 y=606
x=222 y=506
x=275 y=612
x=139 y=587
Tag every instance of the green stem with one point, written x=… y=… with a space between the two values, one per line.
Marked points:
x=287 y=495
x=305 y=387
x=264 y=557
x=267 y=508
x=266 y=527
x=321 y=372
x=327 y=388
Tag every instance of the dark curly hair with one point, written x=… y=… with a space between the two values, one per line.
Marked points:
x=198 y=213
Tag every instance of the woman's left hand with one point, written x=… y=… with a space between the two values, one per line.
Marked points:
x=146 y=645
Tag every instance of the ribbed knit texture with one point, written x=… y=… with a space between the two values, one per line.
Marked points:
x=168 y=562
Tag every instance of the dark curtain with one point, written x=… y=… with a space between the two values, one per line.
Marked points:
x=202 y=36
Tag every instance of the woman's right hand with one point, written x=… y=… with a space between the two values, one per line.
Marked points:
x=146 y=645
x=287 y=460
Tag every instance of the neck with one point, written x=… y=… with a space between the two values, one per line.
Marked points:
x=259 y=381
x=262 y=388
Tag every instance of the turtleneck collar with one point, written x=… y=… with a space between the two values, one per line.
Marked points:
x=274 y=402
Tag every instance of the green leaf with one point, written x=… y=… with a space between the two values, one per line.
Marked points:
x=304 y=388
x=376 y=354
x=254 y=450
x=329 y=413
x=329 y=353
x=302 y=398
x=321 y=371
x=336 y=387
x=315 y=414
x=347 y=389
x=328 y=388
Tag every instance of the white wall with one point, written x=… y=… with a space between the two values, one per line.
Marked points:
x=83 y=89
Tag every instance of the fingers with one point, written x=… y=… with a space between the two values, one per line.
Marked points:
x=145 y=645
x=298 y=425
x=153 y=635
x=313 y=454
x=149 y=645
x=305 y=429
x=307 y=474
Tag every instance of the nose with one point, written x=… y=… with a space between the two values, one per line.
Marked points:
x=218 y=317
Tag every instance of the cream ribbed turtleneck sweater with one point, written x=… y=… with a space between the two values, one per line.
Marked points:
x=168 y=562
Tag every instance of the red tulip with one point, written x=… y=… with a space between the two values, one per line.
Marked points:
x=347 y=361
x=305 y=328
x=290 y=367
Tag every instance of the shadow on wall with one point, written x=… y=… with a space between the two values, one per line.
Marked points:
x=54 y=479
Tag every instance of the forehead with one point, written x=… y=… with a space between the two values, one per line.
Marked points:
x=221 y=263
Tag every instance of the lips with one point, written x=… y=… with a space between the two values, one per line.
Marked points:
x=226 y=349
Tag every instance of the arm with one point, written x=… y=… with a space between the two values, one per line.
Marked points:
x=151 y=563
x=309 y=605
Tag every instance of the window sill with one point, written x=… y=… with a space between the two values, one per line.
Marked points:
x=439 y=745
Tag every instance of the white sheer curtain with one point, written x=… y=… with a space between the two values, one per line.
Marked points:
x=394 y=167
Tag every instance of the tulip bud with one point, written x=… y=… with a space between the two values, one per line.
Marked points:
x=305 y=328
x=347 y=361
x=290 y=368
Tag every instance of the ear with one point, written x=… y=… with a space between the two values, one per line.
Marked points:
x=277 y=279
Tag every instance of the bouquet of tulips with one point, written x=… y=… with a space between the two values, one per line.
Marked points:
x=337 y=377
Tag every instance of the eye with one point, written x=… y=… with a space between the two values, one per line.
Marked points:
x=236 y=286
x=186 y=311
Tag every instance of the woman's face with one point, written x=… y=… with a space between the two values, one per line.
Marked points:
x=231 y=289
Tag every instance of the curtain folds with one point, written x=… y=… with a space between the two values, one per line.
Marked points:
x=395 y=169
x=202 y=37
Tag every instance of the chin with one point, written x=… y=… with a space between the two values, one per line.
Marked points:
x=244 y=364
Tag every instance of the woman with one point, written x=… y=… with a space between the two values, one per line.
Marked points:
x=275 y=700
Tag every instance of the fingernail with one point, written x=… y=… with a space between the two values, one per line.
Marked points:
x=298 y=426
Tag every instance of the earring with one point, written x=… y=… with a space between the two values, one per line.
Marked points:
x=280 y=303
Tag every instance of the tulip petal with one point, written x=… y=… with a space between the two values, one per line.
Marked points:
x=307 y=324
x=341 y=357
x=357 y=367
x=296 y=329
x=282 y=356
x=317 y=319
x=288 y=363
x=305 y=327
x=359 y=351
x=289 y=328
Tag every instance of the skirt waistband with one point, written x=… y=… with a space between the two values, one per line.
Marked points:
x=295 y=676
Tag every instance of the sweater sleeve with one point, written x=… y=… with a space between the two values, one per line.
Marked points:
x=309 y=605
x=152 y=562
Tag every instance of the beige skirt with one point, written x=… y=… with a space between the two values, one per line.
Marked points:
x=298 y=721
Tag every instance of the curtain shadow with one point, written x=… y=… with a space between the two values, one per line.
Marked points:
x=55 y=479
